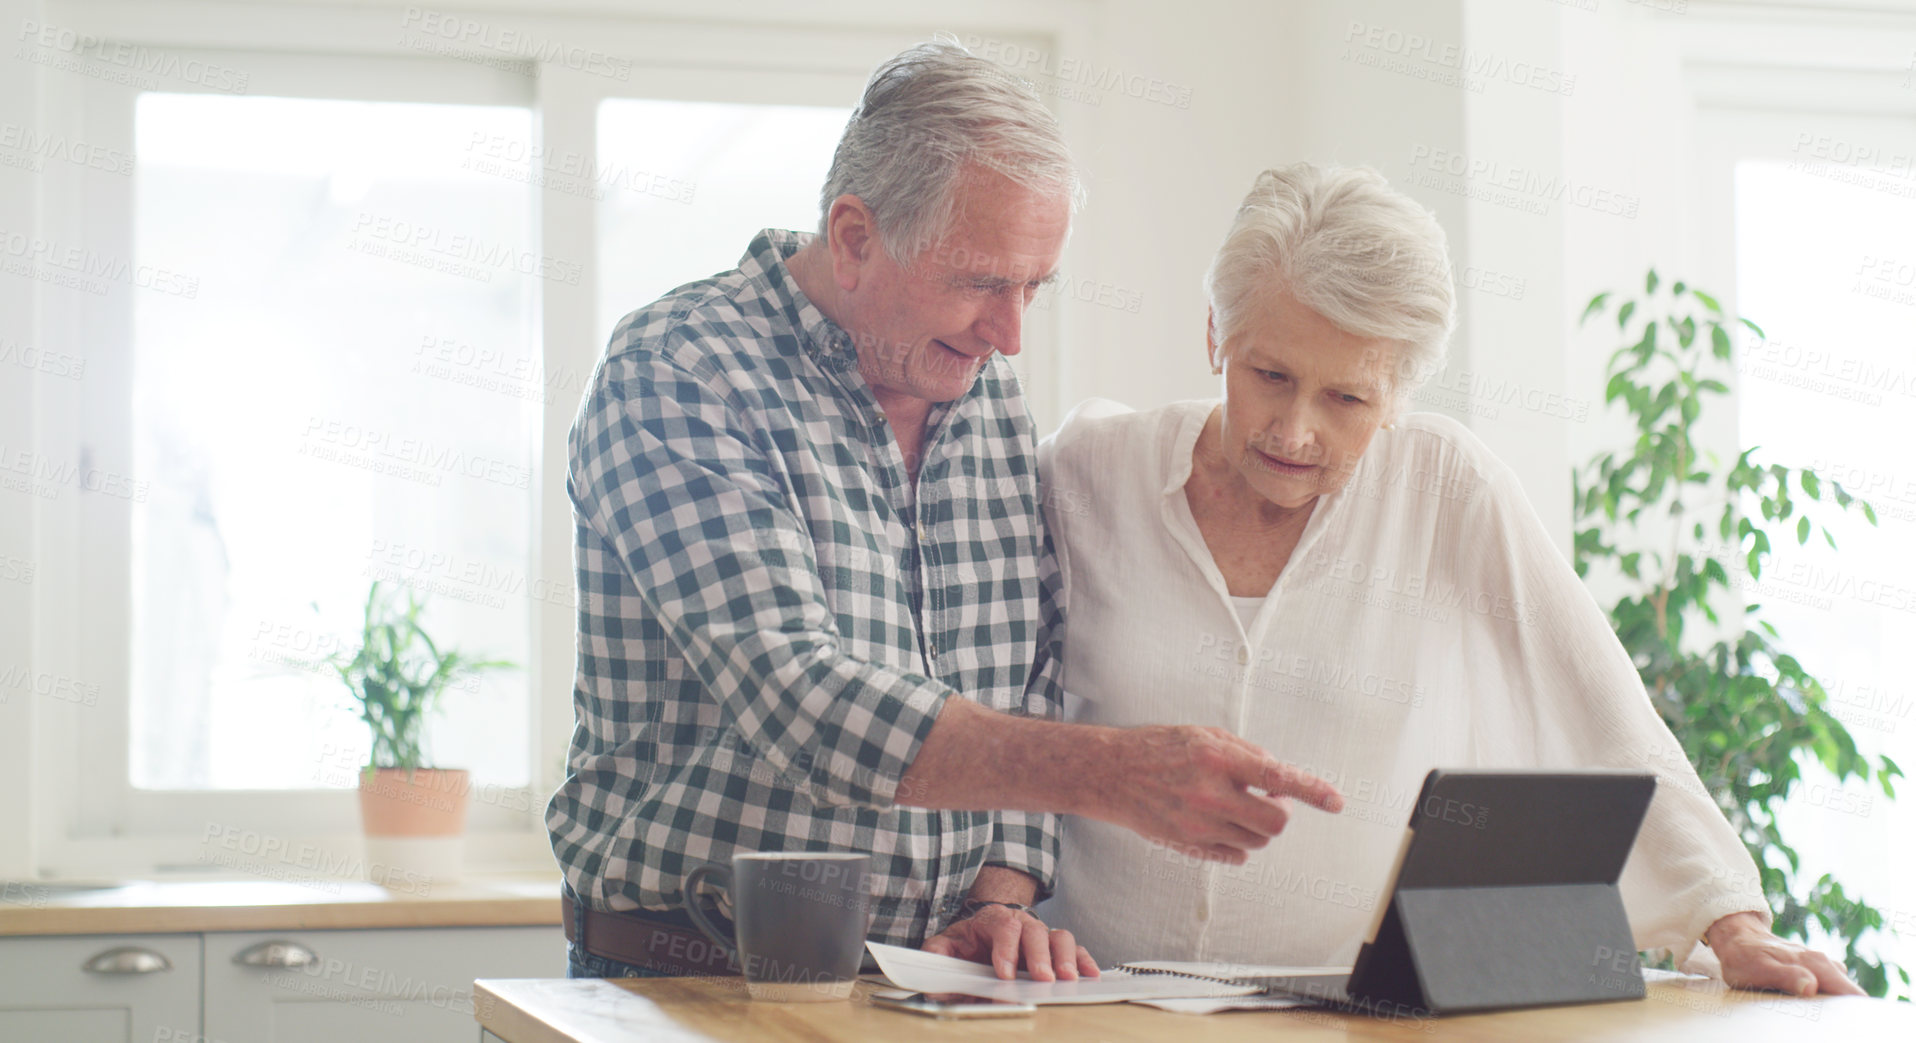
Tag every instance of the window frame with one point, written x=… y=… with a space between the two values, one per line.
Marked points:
x=108 y=822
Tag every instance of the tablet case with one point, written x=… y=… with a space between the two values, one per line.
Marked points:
x=1507 y=896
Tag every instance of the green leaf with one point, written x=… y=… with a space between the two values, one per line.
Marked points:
x=1708 y=301
x=1810 y=483
x=1596 y=305
x=1719 y=341
x=1623 y=314
x=1868 y=511
x=1650 y=282
x=1618 y=385
x=1755 y=327
x=1803 y=530
x=1686 y=333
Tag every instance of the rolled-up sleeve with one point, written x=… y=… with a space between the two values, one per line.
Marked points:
x=666 y=473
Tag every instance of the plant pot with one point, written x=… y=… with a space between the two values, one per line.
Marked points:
x=415 y=825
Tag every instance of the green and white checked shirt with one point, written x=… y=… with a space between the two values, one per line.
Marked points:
x=770 y=619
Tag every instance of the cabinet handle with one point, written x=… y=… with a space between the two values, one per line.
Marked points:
x=127 y=959
x=278 y=955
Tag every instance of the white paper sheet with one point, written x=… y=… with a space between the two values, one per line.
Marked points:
x=929 y=972
x=1652 y=975
x=1215 y=1004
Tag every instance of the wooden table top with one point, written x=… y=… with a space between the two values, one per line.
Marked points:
x=697 y=1010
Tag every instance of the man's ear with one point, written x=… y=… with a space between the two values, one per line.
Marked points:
x=853 y=239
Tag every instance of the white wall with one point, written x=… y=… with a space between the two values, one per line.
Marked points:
x=19 y=97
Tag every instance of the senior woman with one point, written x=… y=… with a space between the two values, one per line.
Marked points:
x=1366 y=594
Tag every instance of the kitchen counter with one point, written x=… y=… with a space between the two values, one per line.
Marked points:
x=49 y=908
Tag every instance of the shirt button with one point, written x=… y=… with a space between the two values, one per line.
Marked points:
x=921 y=532
x=1243 y=655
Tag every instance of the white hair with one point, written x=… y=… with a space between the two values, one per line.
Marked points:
x=1350 y=248
x=927 y=116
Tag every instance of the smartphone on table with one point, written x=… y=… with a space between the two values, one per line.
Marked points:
x=951 y=1005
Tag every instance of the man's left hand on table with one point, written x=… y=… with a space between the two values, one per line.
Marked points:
x=1008 y=939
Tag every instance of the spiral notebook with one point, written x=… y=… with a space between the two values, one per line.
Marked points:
x=1222 y=973
x=1232 y=974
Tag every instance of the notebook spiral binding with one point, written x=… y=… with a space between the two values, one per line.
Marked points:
x=1132 y=968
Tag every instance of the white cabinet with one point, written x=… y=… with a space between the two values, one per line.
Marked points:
x=140 y=988
x=367 y=986
x=371 y=986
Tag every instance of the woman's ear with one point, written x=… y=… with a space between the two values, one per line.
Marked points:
x=1211 y=348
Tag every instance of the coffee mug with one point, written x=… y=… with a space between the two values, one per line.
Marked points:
x=801 y=919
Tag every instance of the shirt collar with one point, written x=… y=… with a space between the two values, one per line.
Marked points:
x=764 y=264
x=1192 y=416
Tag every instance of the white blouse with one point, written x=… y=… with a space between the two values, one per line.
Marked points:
x=1424 y=620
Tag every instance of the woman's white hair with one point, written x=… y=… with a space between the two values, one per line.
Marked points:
x=927 y=116
x=1350 y=248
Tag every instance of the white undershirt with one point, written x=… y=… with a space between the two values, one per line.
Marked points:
x=1425 y=620
x=1246 y=610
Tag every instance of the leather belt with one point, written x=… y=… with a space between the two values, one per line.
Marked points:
x=666 y=943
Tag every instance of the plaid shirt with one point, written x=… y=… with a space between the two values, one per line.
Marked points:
x=768 y=623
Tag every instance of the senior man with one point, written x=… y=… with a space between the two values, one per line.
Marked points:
x=818 y=609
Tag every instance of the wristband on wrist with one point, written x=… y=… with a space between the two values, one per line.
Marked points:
x=973 y=906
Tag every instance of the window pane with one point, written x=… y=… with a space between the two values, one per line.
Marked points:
x=347 y=393
x=683 y=186
x=1826 y=263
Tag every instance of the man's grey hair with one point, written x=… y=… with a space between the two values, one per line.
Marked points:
x=1349 y=247
x=928 y=116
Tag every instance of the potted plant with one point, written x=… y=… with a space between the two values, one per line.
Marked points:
x=413 y=813
x=1688 y=535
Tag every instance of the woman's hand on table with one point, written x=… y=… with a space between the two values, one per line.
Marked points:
x=1753 y=958
x=1009 y=939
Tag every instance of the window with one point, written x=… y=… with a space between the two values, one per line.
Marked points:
x=341 y=391
x=1826 y=262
